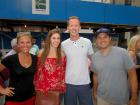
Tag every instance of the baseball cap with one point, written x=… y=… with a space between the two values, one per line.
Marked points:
x=103 y=30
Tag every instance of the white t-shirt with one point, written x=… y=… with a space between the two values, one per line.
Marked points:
x=77 y=52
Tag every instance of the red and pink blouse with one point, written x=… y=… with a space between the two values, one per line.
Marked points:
x=50 y=76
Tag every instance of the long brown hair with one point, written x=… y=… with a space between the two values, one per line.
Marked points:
x=47 y=47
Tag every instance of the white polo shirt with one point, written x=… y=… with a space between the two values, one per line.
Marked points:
x=77 y=52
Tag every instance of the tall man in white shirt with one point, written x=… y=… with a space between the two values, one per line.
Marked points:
x=77 y=50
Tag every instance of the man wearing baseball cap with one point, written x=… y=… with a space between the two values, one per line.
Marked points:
x=113 y=68
x=103 y=30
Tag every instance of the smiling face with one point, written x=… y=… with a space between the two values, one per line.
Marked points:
x=55 y=40
x=73 y=27
x=103 y=41
x=24 y=43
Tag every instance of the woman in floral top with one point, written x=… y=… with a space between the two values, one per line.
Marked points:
x=50 y=77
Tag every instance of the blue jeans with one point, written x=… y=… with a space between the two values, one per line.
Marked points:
x=82 y=93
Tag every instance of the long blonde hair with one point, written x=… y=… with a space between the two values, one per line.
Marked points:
x=132 y=43
x=47 y=47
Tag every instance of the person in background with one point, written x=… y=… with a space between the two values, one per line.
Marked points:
x=43 y=43
x=134 y=48
x=22 y=67
x=14 y=49
x=133 y=51
x=49 y=79
x=77 y=51
x=34 y=49
x=113 y=67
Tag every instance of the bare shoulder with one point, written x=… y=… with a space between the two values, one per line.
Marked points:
x=40 y=53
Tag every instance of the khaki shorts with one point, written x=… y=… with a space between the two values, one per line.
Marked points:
x=100 y=101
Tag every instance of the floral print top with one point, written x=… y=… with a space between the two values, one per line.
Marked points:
x=50 y=76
